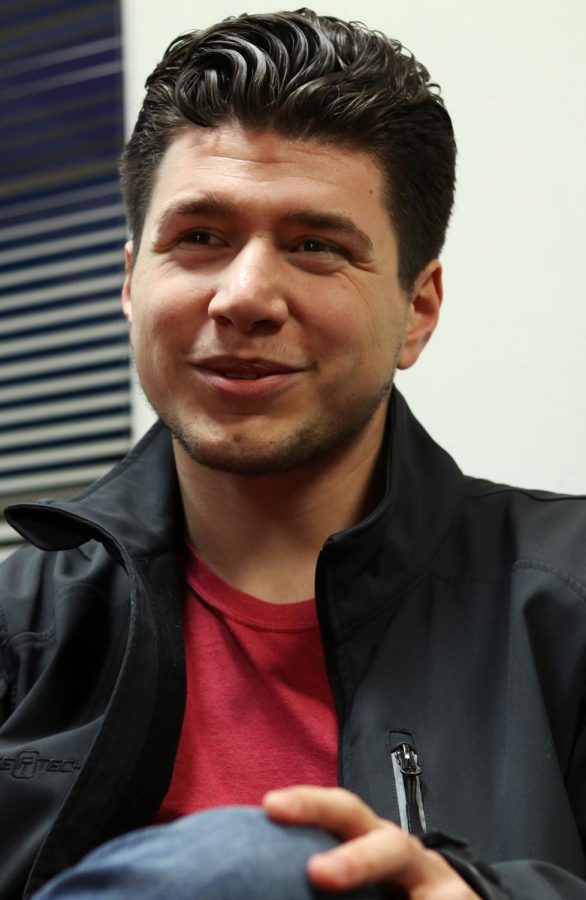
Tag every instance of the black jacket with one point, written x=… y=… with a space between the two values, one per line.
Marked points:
x=453 y=621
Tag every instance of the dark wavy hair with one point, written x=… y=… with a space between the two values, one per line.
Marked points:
x=307 y=76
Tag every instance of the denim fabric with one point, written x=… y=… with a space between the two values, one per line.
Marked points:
x=230 y=853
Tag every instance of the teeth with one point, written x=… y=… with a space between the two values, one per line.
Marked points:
x=238 y=376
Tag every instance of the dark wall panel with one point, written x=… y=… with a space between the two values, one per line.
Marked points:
x=64 y=369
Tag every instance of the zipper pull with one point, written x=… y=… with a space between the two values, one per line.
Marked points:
x=408 y=765
x=412 y=816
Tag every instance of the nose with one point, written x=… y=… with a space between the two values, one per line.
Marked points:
x=250 y=294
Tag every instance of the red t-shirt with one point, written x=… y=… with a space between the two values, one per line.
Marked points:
x=259 y=712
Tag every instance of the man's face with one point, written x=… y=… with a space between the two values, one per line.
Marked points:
x=266 y=313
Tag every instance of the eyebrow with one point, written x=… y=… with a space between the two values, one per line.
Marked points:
x=213 y=206
x=330 y=222
x=207 y=205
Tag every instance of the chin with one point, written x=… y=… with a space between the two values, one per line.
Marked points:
x=253 y=451
x=243 y=456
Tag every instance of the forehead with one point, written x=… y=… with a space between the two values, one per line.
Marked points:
x=256 y=169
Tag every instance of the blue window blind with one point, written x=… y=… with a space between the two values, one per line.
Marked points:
x=64 y=367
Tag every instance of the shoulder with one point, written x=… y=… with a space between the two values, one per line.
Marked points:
x=506 y=531
x=541 y=521
x=34 y=582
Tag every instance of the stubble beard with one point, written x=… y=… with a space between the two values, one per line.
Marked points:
x=309 y=444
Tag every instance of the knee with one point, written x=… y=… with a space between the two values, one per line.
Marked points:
x=235 y=853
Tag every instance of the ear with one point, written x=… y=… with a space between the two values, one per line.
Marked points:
x=126 y=287
x=423 y=315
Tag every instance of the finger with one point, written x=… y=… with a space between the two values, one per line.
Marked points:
x=332 y=809
x=387 y=855
x=384 y=854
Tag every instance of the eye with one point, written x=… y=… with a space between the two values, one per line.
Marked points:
x=202 y=238
x=316 y=245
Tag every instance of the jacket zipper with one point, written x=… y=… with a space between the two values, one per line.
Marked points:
x=407 y=770
x=322 y=590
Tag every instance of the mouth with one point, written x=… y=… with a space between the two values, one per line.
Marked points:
x=239 y=378
x=245 y=369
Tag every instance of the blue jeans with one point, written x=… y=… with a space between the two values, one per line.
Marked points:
x=230 y=853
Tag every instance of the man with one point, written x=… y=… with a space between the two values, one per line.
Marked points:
x=350 y=608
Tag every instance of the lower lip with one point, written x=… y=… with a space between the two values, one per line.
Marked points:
x=243 y=388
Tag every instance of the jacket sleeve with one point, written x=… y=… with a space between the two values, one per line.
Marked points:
x=3 y=692
x=538 y=880
x=534 y=880
x=4 y=671
x=530 y=879
x=511 y=880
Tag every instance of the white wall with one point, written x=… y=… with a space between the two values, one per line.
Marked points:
x=503 y=383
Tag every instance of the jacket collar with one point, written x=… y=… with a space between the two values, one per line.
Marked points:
x=377 y=561
x=136 y=506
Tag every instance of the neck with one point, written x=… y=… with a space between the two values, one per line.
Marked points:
x=262 y=534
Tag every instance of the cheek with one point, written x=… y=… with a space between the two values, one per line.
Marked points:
x=356 y=358
x=366 y=332
x=336 y=317
x=156 y=337
x=170 y=318
x=378 y=347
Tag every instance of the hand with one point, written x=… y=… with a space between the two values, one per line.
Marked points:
x=373 y=850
